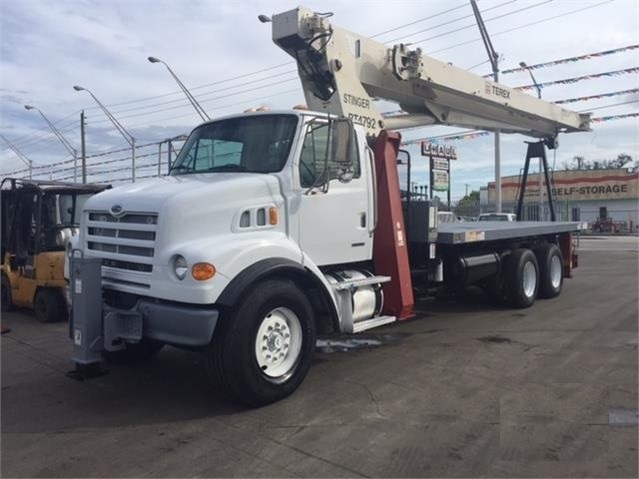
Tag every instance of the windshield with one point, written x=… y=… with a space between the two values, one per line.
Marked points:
x=253 y=144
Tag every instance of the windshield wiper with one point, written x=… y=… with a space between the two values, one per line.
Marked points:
x=180 y=167
x=226 y=167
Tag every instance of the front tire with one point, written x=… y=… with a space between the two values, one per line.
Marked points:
x=521 y=278
x=262 y=348
x=49 y=306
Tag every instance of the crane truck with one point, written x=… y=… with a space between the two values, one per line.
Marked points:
x=274 y=226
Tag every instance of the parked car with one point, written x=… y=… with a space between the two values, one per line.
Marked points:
x=497 y=217
x=447 y=217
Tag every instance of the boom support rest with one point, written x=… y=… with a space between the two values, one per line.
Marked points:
x=390 y=248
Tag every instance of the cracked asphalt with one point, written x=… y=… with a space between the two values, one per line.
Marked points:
x=464 y=390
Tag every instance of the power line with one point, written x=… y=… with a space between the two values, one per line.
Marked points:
x=473 y=25
x=417 y=21
x=609 y=106
x=521 y=26
x=449 y=22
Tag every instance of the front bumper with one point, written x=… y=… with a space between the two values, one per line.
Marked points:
x=96 y=327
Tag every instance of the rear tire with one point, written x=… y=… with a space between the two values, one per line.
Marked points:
x=521 y=278
x=48 y=306
x=262 y=348
x=7 y=301
x=551 y=266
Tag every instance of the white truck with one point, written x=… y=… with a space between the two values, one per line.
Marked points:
x=273 y=226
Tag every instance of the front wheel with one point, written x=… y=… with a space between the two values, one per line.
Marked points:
x=49 y=306
x=262 y=349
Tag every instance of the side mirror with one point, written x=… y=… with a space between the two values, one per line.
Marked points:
x=343 y=148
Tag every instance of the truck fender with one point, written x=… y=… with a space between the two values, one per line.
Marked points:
x=280 y=267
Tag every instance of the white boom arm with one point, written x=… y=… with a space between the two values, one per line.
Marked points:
x=343 y=72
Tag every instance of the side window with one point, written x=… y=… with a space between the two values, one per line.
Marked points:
x=317 y=155
x=210 y=153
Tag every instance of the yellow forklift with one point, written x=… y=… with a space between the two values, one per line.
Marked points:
x=38 y=219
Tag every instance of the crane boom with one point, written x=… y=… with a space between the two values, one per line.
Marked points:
x=342 y=73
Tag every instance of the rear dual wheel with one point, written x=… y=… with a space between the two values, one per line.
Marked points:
x=521 y=278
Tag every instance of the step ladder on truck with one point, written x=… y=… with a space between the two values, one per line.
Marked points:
x=274 y=226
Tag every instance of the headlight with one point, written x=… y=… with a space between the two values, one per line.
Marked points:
x=63 y=236
x=180 y=267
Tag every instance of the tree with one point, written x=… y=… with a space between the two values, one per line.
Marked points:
x=468 y=205
x=580 y=163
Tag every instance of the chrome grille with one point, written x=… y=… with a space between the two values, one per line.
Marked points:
x=125 y=243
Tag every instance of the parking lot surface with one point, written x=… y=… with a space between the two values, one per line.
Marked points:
x=466 y=389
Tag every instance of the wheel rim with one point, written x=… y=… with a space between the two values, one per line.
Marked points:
x=530 y=279
x=278 y=344
x=555 y=271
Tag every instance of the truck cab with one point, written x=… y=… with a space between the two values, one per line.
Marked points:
x=274 y=225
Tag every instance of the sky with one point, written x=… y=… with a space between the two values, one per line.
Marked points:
x=227 y=59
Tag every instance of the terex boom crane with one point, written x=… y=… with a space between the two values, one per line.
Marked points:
x=342 y=73
x=274 y=225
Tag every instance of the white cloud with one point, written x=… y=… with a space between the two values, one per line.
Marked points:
x=49 y=46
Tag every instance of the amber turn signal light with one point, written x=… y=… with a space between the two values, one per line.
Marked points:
x=272 y=216
x=202 y=271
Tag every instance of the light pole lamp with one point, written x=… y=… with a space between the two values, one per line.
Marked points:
x=536 y=85
x=118 y=126
x=191 y=98
x=62 y=139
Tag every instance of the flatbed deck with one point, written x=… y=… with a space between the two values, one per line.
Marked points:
x=476 y=231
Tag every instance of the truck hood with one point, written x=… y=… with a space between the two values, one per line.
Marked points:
x=153 y=195
x=191 y=206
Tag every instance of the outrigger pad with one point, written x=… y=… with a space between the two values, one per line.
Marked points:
x=87 y=371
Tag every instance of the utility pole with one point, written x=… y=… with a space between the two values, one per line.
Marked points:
x=83 y=147
x=467 y=185
x=493 y=56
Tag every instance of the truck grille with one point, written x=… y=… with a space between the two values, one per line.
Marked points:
x=125 y=243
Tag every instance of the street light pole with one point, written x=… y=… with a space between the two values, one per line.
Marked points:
x=62 y=139
x=493 y=56
x=26 y=160
x=536 y=85
x=127 y=136
x=541 y=176
x=191 y=98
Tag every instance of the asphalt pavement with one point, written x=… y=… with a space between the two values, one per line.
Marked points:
x=466 y=389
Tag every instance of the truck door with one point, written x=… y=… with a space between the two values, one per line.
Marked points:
x=335 y=210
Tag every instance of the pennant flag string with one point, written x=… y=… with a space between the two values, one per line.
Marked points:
x=567 y=81
x=588 y=56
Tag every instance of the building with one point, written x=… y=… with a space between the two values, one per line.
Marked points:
x=580 y=195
